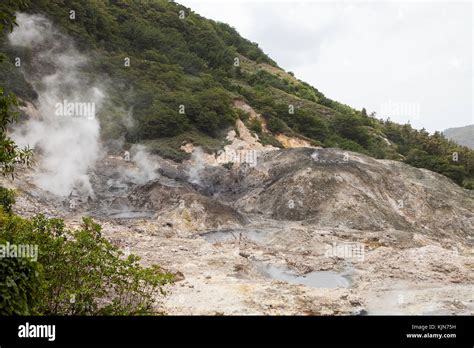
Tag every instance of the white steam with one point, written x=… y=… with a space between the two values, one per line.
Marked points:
x=147 y=166
x=69 y=145
x=198 y=163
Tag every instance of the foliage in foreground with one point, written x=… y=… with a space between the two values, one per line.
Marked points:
x=10 y=153
x=68 y=272
x=77 y=272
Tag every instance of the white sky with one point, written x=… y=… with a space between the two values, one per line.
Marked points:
x=412 y=60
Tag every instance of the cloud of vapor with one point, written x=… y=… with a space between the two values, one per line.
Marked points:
x=68 y=141
x=147 y=166
x=198 y=163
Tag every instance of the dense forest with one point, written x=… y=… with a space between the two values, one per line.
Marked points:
x=180 y=61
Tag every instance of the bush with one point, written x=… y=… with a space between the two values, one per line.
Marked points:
x=215 y=113
x=10 y=154
x=267 y=139
x=255 y=126
x=7 y=199
x=352 y=128
x=275 y=125
x=162 y=121
x=344 y=144
x=78 y=272
x=20 y=285
x=242 y=115
x=469 y=186
x=454 y=172
x=311 y=126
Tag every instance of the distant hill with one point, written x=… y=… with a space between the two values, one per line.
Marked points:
x=461 y=135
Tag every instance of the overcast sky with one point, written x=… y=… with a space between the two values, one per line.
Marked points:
x=407 y=60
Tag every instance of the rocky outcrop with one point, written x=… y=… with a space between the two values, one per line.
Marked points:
x=333 y=188
x=399 y=235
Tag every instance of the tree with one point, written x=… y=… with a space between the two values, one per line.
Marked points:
x=10 y=154
x=7 y=13
x=19 y=278
x=275 y=125
x=7 y=199
x=77 y=272
x=351 y=127
x=255 y=125
x=215 y=111
x=162 y=121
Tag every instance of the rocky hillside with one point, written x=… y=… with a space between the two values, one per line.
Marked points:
x=304 y=231
x=172 y=76
x=259 y=194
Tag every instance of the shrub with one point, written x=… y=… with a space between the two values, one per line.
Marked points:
x=255 y=126
x=162 y=121
x=20 y=285
x=7 y=199
x=469 y=186
x=78 y=272
x=275 y=125
x=242 y=115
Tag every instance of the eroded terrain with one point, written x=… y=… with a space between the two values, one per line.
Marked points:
x=304 y=231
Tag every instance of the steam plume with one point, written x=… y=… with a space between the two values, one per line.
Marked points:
x=198 y=163
x=68 y=141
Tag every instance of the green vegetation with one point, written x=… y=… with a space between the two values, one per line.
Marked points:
x=169 y=147
x=77 y=272
x=182 y=79
x=10 y=154
x=336 y=125
x=72 y=272
x=7 y=199
x=174 y=62
x=180 y=85
x=255 y=126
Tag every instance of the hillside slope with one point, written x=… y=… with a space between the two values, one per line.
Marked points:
x=246 y=226
x=176 y=75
